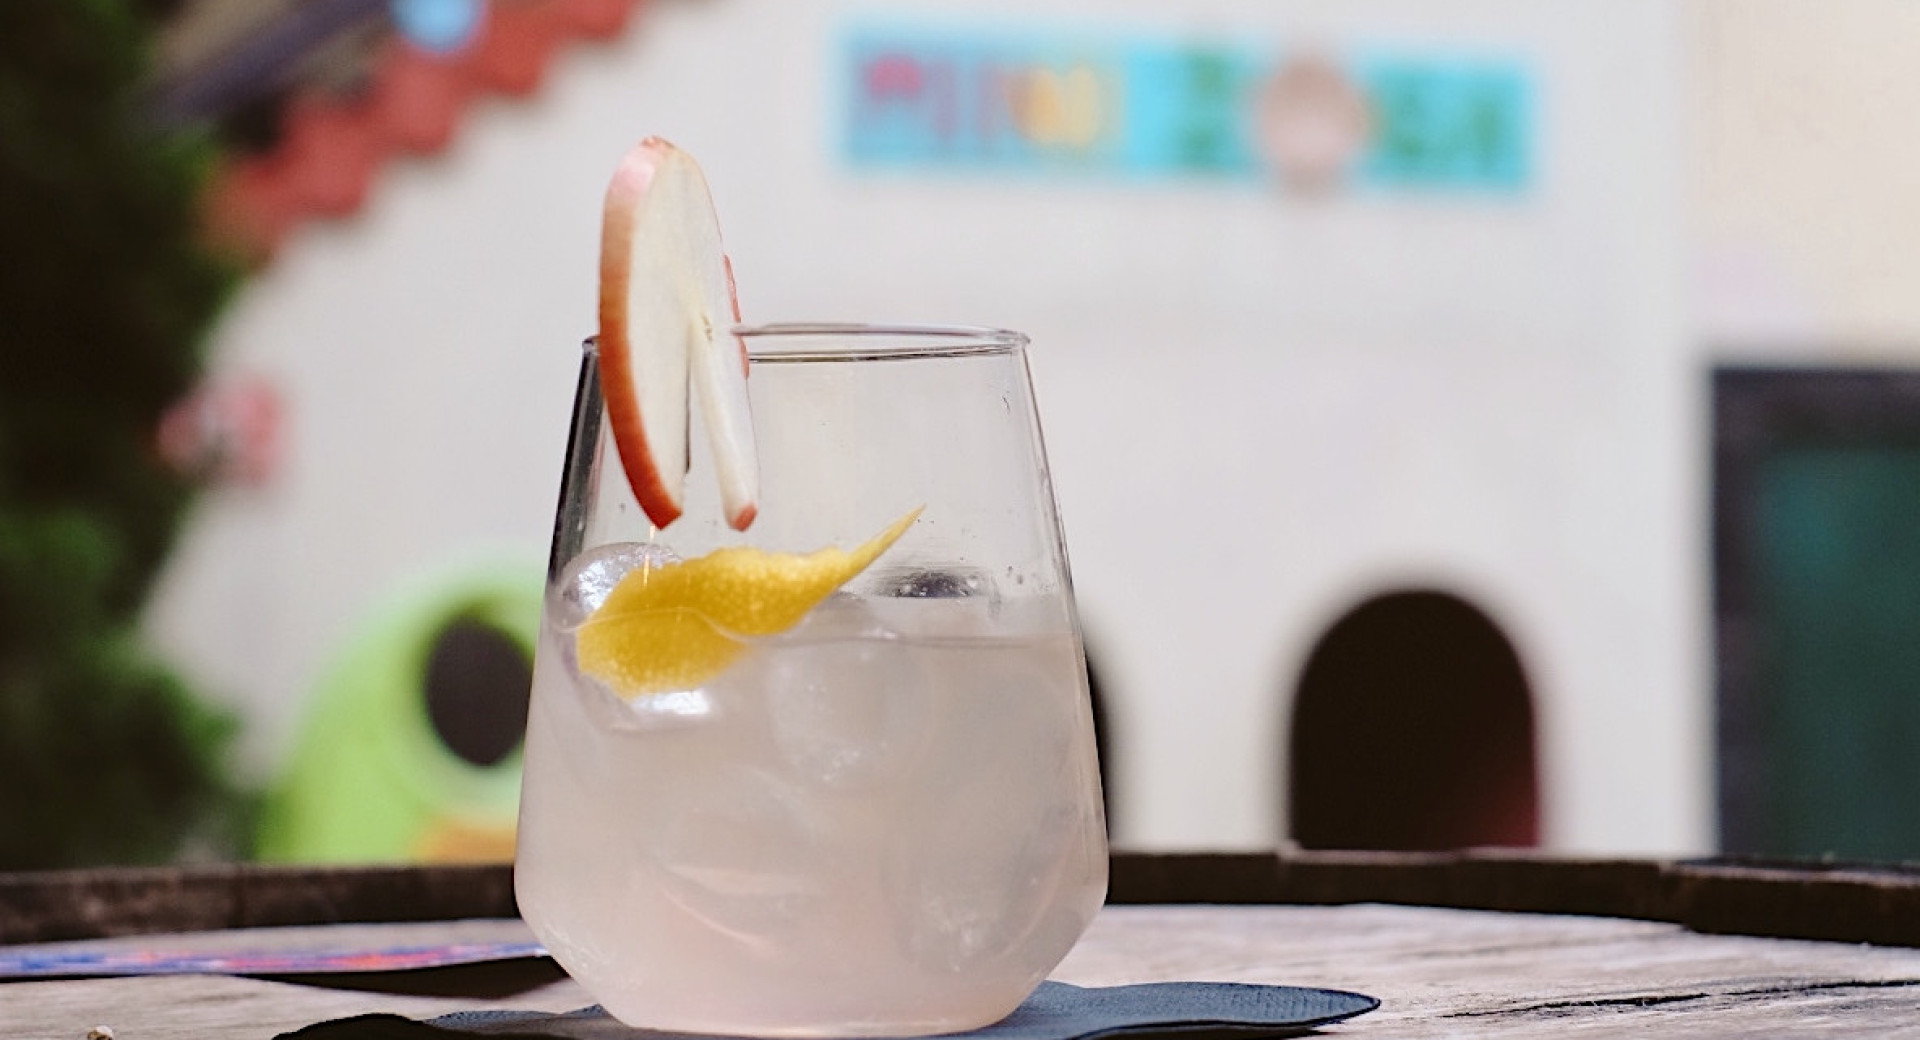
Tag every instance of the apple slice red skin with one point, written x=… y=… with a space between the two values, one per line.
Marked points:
x=658 y=493
x=656 y=471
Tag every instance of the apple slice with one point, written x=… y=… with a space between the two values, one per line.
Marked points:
x=719 y=373
x=667 y=307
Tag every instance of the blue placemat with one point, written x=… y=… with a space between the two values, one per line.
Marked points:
x=1055 y=1011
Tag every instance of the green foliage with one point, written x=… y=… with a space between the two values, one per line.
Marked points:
x=105 y=299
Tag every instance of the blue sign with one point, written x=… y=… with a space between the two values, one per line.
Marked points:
x=929 y=100
x=439 y=26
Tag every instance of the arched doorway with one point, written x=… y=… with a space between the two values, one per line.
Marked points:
x=1413 y=729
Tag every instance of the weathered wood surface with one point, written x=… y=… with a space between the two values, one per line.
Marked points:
x=1453 y=973
x=213 y=1007
x=1442 y=973
x=49 y=906
x=1878 y=903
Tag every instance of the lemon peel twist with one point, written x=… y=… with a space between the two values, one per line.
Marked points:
x=677 y=625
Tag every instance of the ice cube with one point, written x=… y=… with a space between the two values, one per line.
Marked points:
x=584 y=585
x=937 y=602
x=978 y=875
x=591 y=576
x=938 y=583
x=844 y=697
x=1000 y=803
x=646 y=713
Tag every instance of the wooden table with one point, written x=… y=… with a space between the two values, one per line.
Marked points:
x=1441 y=972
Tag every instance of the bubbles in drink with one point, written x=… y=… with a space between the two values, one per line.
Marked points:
x=592 y=575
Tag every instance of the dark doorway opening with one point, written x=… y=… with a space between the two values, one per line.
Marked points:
x=1413 y=729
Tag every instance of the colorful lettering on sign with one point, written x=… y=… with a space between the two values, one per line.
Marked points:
x=960 y=105
x=927 y=100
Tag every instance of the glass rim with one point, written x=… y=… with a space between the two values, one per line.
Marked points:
x=853 y=341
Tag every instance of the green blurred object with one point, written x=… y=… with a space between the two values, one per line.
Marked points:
x=411 y=749
x=105 y=756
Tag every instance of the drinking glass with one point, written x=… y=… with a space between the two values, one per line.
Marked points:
x=884 y=821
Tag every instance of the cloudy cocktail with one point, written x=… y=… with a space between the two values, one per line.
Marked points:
x=832 y=774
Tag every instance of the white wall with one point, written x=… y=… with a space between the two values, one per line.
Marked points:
x=1261 y=409
x=1802 y=189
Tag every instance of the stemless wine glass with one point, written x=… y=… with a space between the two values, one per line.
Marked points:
x=884 y=821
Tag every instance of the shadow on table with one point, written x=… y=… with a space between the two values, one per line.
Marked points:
x=488 y=980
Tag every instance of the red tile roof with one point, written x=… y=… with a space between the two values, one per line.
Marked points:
x=332 y=146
